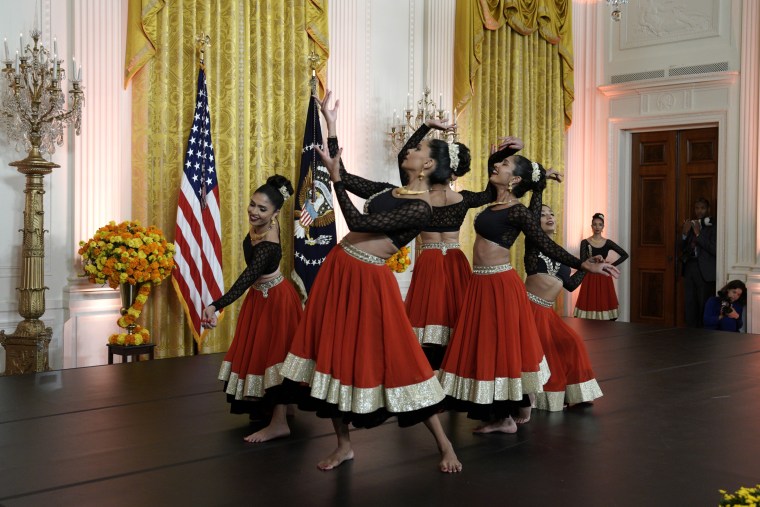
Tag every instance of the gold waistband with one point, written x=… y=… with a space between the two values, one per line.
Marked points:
x=443 y=247
x=490 y=270
x=540 y=301
x=360 y=254
x=265 y=286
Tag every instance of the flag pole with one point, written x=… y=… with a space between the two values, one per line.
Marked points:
x=313 y=63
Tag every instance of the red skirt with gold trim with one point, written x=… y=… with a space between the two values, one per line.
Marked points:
x=264 y=331
x=597 y=298
x=572 y=378
x=435 y=296
x=494 y=354
x=356 y=349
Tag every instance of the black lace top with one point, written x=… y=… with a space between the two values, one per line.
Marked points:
x=262 y=258
x=543 y=264
x=588 y=250
x=446 y=218
x=399 y=219
x=449 y=218
x=503 y=226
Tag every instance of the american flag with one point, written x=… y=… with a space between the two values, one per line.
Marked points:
x=198 y=276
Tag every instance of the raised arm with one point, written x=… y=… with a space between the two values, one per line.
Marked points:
x=415 y=139
x=357 y=185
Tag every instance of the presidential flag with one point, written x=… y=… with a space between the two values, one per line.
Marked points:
x=314 y=224
x=198 y=277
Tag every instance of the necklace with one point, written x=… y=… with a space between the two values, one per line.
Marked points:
x=508 y=201
x=406 y=191
x=256 y=236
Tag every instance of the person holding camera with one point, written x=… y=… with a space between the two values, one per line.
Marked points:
x=698 y=257
x=724 y=311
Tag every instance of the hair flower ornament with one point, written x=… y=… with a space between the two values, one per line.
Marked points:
x=536 y=175
x=454 y=155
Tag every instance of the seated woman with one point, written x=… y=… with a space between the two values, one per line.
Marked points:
x=724 y=311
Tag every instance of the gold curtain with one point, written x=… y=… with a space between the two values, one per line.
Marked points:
x=513 y=76
x=257 y=74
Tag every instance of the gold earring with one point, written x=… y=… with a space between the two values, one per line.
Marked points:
x=421 y=176
x=272 y=220
x=509 y=187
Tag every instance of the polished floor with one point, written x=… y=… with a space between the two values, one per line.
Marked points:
x=679 y=420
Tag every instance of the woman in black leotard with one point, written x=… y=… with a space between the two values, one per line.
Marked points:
x=355 y=346
x=597 y=299
x=268 y=318
x=494 y=358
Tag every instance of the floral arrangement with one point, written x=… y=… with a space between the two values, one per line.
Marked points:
x=127 y=253
x=742 y=496
x=399 y=261
x=133 y=254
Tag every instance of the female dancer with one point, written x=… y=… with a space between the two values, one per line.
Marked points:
x=494 y=358
x=572 y=379
x=355 y=346
x=268 y=318
x=442 y=271
x=597 y=299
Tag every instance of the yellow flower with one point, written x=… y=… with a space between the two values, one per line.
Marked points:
x=399 y=261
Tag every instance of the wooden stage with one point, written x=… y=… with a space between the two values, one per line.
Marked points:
x=678 y=422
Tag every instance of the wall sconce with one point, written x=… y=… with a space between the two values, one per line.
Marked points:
x=616 y=13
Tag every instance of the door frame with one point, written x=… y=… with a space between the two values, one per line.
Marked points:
x=619 y=169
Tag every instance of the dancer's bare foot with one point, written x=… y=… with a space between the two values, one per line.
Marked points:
x=269 y=433
x=523 y=415
x=335 y=459
x=503 y=426
x=449 y=464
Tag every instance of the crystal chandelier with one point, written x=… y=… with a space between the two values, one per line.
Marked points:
x=414 y=118
x=32 y=103
x=616 y=13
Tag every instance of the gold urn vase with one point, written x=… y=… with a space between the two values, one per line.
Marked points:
x=128 y=294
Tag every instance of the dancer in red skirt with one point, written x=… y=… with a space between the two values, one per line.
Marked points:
x=268 y=318
x=494 y=358
x=597 y=299
x=572 y=378
x=442 y=271
x=355 y=346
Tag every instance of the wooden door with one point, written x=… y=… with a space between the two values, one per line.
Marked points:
x=670 y=170
x=653 y=247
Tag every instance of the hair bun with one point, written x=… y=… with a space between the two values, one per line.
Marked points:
x=281 y=184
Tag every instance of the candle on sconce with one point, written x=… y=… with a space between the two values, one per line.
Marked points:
x=5 y=43
x=21 y=42
x=440 y=101
x=16 y=62
x=55 y=46
x=55 y=67
x=73 y=67
x=79 y=74
x=409 y=101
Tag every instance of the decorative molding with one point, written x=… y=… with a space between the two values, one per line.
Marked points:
x=662 y=85
x=652 y=22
